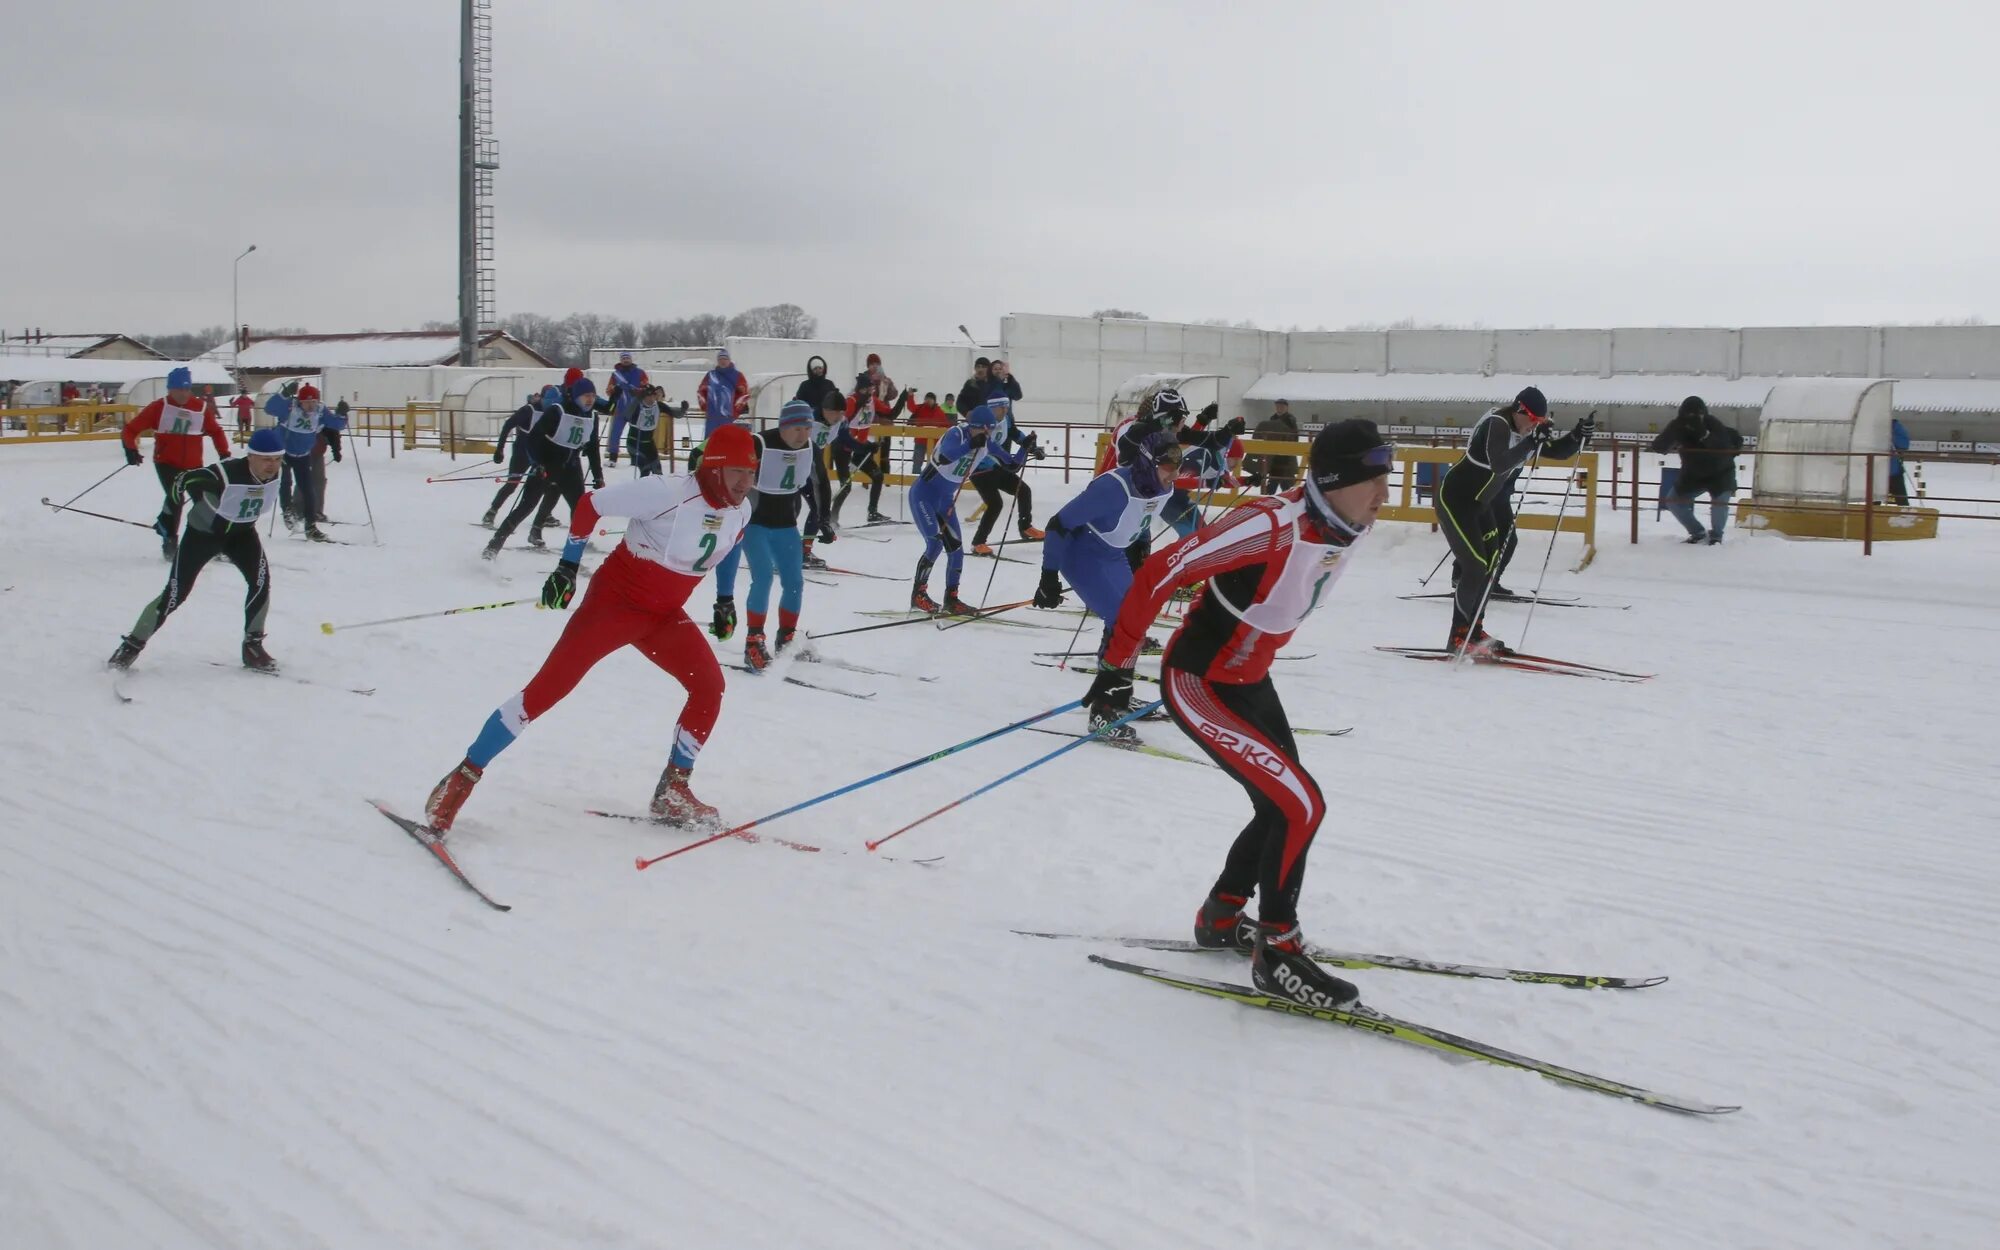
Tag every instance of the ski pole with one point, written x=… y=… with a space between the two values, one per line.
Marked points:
x=63 y=507
x=327 y=627
x=362 y=478
x=1425 y=580
x=852 y=786
x=1092 y=736
x=1006 y=524
x=1555 y=533
x=93 y=486
x=484 y=477
x=982 y=614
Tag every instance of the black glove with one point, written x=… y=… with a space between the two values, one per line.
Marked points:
x=336 y=455
x=1050 y=594
x=560 y=588
x=496 y=455
x=1033 y=447
x=1207 y=414
x=597 y=480
x=1586 y=427
x=1186 y=435
x=826 y=534
x=1235 y=427
x=1543 y=434
x=1111 y=691
x=723 y=624
x=132 y=455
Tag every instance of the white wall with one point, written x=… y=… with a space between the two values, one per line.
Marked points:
x=1070 y=366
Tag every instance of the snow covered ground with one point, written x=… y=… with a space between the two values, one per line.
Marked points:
x=239 y=1009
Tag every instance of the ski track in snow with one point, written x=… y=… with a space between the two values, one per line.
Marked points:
x=241 y=1010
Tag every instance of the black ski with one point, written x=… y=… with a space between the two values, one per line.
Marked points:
x=799 y=681
x=1386 y=963
x=1523 y=663
x=809 y=657
x=430 y=841
x=1367 y=1020
x=1137 y=748
x=1559 y=601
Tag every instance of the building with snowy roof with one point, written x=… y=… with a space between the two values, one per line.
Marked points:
x=261 y=359
x=77 y=346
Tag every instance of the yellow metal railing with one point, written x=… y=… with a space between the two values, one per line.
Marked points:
x=66 y=423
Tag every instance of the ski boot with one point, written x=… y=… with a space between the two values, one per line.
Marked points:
x=722 y=626
x=955 y=606
x=1476 y=643
x=449 y=795
x=492 y=548
x=1280 y=967
x=1183 y=594
x=315 y=534
x=169 y=548
x=982 y=549
x=127 y=651
x=1029 y=534
x=755 y=653
x=675 y=804
x=1219 y=924
x=535 y=539
x=786 y=637
x=1151 y=646
x=254 y=655
x=488 y=519
x=877 y=516
x=814 y=562
x=1121 y=736
x=920 y=601
x=291 y=518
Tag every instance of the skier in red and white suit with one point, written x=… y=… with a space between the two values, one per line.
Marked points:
x=679 y=529
x=1262 y=571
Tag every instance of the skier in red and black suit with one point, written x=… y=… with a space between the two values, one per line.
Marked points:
x=178 y=425
x=1262 y=571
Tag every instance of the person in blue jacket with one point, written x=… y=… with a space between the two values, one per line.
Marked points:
x=724 y=394
x=298 y=421
x=771 y=539
x=1088 y=538
x=1899 y=438
x=332 y=425
x=933 y=505
x=627 y=385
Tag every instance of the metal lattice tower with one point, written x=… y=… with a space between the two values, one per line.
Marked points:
x=479 y=159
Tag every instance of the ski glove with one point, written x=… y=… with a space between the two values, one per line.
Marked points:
x=1543 y=434
x=597 y=483
x=496 y=456
x=560 y=588
x=1050 y=594
x=723 y=624
x=1207 y=415
x=1235 y=427
x=1586 y=427
x=826 y=534
x=1111 y=691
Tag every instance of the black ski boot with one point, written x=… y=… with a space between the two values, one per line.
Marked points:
x=755 y=653
x=490 y=518
x=127 y=651
x=1122 y=736
x=254 y=655
x=1280 y=967
x=492 y=548
x=535 y=539
x=1219 y=924
x=786 y=637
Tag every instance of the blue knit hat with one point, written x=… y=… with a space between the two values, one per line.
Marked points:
x=267 y=442
x=180 y=379
x=795 y=412
x=582 y=386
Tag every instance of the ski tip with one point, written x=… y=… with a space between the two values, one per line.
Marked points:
x=326 y=627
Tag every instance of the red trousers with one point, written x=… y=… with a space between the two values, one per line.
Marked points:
x=625 y=606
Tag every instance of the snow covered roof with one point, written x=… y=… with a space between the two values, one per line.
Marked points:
x=313 y=352
x=1662 y=389
x=62 y=344
x=117 y=372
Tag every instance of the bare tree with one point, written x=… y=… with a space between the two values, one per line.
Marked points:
x=700 y=330
x=543 y=334
x=789 y=321
x=1121 y=314
x=187 y=346
x=751 y=323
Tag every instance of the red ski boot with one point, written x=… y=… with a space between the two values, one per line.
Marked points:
x=675 y=804
x=450 y=795
x=755 y=653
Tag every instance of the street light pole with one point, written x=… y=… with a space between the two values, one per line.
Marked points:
x=235 y=315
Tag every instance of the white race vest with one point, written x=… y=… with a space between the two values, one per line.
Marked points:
x=823 y=435
x=1132 y=522
x=241 y=503
x=573 y=431
x=783 y=471
x=299 y=421
x=863 y=418
x=1310 y=572
x=646 y=418
x=671 y=524
x=177 y=420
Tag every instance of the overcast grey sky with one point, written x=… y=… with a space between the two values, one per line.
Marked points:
x=899 y=168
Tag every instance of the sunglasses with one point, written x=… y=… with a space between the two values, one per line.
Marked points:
x=1379 y=457
x=1170 y=457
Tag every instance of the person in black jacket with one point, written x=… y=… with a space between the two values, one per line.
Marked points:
x=562 y=438
x=1475 y=505
x=520 y=462
x=817 y=385
x=1708 y=467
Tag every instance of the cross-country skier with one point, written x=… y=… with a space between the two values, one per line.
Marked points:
x=1005 y=474
x=562 y=438
x=1475 y=506
x=1262 y=570
x=641 y=443
x=298 y=421
x=520 y=463
x=1089 y=536
x=859 y=449
x=225 y=499
x=679 y=528
x=332 y=429
x=628 y=382
x=179 y=424
x=819 y=504
x=933 y=505
x=784 y=478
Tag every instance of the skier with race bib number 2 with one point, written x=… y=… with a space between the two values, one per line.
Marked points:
x=1261 y=571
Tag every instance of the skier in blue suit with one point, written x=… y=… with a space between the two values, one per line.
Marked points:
x=933 y=505
x=1088 y=537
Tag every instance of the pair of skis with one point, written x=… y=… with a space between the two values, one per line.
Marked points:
x=1367 y=1020
x=1547 y=601
x=1522 y=661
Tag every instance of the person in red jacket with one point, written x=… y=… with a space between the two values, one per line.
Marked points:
x=926 y=414
x=178 y=424
x=244 y=406
x=1261 y=571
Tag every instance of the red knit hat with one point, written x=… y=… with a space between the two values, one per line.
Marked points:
x=873 y=359
x=573 y=375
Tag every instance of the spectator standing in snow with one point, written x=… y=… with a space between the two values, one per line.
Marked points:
x=724 y=394
x=1899 y=438
x=927 y=415
x=1708 y=450
x=628 y=381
